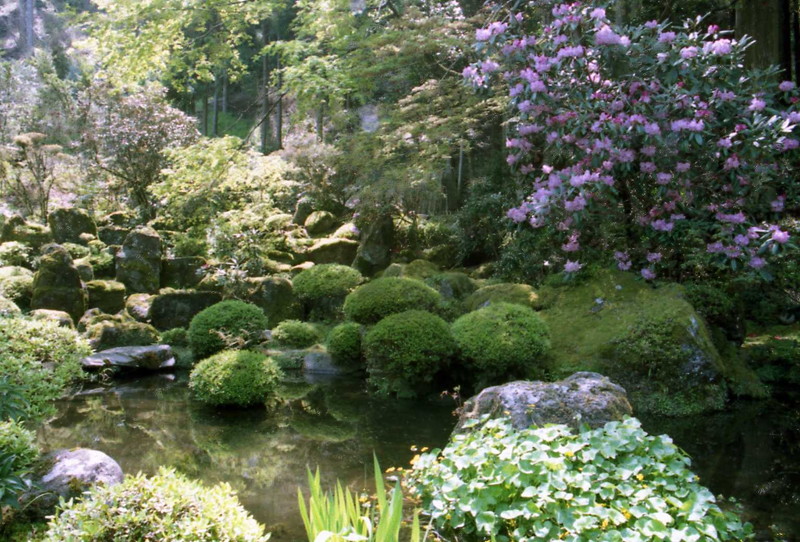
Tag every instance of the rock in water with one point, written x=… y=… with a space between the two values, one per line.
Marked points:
x=138 y=263
x=151 y=358
x=584 y=397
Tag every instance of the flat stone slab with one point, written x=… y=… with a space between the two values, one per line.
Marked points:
x=151 y=358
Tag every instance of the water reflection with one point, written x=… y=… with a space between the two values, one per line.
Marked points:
x=332 y=424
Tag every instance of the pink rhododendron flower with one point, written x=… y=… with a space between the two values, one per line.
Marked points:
x=786 y=86
x=780 y=236
x=648 y=274
x=572 y=267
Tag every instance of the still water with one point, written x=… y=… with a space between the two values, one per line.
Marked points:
x=751 y=452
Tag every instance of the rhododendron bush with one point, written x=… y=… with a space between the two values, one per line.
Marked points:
x=650 y=142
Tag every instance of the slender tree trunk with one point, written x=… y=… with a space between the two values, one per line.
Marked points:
x=321 y=122
x=225 y=92
x=215 y=116
x=279 y=109
x=796 y=39
x=204 y=113
x=266 y=144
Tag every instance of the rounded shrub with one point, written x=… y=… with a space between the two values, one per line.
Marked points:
x=166 y=507
x=20 y=442
x=234 y=320
x=326 y=281
x=344 y=344
x=235 y=377
x=500 y=340
x=177 y=336
x=295 y=334
x=608 y=484
x=382 y=297
x=407 y=349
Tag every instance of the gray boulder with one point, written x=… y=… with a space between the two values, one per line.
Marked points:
x=150 y=358
x=106 y=295
x=582 y=398
x=60 y=317
x=302 y=210
x=67 y=225
x=113 y=235
x=333 y=250
x=57 y=284
x=138 y=263
x=320 y=223
x=138 y=306
x=374 y=252
x=70 y=474
x=119 y=331
x=275 y=296
x=176 y=309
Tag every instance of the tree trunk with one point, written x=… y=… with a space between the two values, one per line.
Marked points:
x=767 y=22
x=25 y=8
x=266 y=144
x=204 y=114
x=225 y=92
x=321 y=122
x=279 y=109
x=215 y=116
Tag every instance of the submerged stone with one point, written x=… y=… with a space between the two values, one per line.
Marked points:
x=150 y=358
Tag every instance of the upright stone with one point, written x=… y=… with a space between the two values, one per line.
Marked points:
x=138 y=262
x=67 y=225
x=57 y=284
x=374 y=252
x=106 y=295
x=176 y=309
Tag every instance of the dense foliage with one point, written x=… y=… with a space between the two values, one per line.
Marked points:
x=235 y=377
x=166 y=507
x=500 y=341
x=326 y=281
x=612 y=483
x=344 y=344
x=382 y=297
x=225 y=324
x=406 y=350
x=295 y=333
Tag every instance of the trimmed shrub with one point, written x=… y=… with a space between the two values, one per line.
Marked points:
x=40 y=358
x=382 y=297
x=608 y=484
x=326 y=282
x=505 y=292
x=501 y=340
x=344 y=344
x=407 y=349
x=295 y=334
x=233 y=319
x=166 y=507
x=235 y=377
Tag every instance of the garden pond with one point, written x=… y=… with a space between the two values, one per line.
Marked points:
x=750 y=452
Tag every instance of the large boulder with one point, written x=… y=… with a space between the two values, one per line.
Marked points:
x=120 y=331
x=583 y=398
x=27 y=233
x=142 y=358
x=374 y=252
x=112 y=235
x=70 y=474
x=320 y=223
x=59 y=317
x=276 y=297
x=137 y=306
x=106 y=295
x=67 y=225
x=138 y=263
x=9 y=308
x=184 y=272
x=302 y=210
x=176 y=309
x=333 y=250
x=649 y=340
x=57 y=284
x=16 y=284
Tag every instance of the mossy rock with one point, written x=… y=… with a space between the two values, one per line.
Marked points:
x=106 y=295
x=347 y=231
x=57 y=284
x=137 y=306
x=14 y=253
x=186 y=272
x=320 y=223
x=276 y=297
x=649 y=340
x=382 y=297
x=138 y=263
x=417 y=269
x=113 y=235
x=102 y=261
x=8 y=308
x=27 y=233
x=85 y=269
x=404 y=352
x=123 y=332
x=174 y=309
x=333 y=250
x=16 y=284
x=506 y=292
x=67 y=225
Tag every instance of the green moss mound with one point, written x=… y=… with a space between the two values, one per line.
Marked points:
x=295 y=334
x=8 y=308
x=344 y=344
x=382 y=297
x=506 y=292
x=15 y=253
x=40 y=359
x=649 y=340
x=177 y=336
x=326 y=280
x=406 y=350
x=235 y=377
x=19 y=442
x=501 y=341
x=166 y=507
x=234 y=319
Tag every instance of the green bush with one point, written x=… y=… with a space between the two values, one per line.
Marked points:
x=233 y=319
x=295 y=334
x=177 y=336
x=17 y=254
x=344 y=344
x=40 y=358
x=506 y=292
x=19 y=442
x=76 y=251
x=8 y=308
x=235 y=377
x=407 y=349
x=500 y=341
x=167 y=507
x=382 y=297
x=609 y=484
x=326 y=281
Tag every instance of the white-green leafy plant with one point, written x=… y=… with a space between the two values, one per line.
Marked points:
x=615 y=483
